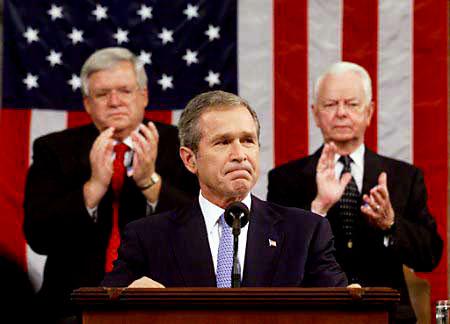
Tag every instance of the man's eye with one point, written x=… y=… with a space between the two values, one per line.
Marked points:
x=125 y=91
x=353 y=105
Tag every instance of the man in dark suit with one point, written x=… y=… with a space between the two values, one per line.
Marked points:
x=390 y=224
x=281 y=246
x=69 y=199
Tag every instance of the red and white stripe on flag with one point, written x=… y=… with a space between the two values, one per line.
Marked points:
x=283 y=46
x=403 y=45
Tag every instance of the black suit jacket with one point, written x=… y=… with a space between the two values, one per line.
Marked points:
x=172 y=248
x=413 y=240
x=57 y=223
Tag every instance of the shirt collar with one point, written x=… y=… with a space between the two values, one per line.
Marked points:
x=211 y=212
x=128 y=141
x=357 y=156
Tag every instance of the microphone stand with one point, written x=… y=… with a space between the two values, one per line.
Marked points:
x=236 y=216
x=236 y=271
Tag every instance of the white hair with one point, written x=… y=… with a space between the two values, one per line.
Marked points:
x=340 y=68
x=106 y=58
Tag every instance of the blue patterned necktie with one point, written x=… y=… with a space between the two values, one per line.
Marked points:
x=225 y=256
x=348 y=204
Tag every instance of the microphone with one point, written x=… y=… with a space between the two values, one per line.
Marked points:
x=236 y=216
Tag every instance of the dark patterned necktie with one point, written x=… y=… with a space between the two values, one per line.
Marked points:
x=348 y=204
x=225 y=256
x=116 y=183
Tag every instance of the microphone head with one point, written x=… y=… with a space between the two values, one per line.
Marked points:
x=236 y=210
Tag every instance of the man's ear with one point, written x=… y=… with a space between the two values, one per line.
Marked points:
x=315 y=111
x=144 y=96
x=86 y=105
x=369 y=112
x=189 y=159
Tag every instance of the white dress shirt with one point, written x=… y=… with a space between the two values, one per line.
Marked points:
x=357 y=167
x=211 y=214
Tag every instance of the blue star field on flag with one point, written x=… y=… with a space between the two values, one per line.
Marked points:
x=187 y=47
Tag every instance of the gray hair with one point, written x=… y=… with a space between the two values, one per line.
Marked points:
x=342 y=67
x=107 y=58
x=188 y=131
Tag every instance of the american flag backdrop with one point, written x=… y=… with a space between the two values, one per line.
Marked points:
x=268 y=51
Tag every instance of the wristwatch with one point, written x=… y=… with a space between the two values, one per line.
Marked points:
x=154 y=179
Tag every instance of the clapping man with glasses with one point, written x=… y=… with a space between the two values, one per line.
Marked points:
x=86 y=183
x=377 y=206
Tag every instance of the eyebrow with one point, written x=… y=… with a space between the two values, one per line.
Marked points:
x=230 y=135
x=336 y=100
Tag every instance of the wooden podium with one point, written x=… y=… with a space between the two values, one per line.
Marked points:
x=239 y=305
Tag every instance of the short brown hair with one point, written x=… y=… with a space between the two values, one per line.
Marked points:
x=189 y=133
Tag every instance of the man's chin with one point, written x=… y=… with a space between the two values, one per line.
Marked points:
x=120 y=125
x=342 y=137
x=119 y=122
x=241 y=187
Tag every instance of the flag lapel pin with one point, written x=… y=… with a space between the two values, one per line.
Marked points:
x=272 y=243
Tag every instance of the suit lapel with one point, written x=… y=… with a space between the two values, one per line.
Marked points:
x=311 y=166
x=372 y=170
x=190 y=244
x=264 y=244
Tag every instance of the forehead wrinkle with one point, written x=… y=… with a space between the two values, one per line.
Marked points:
x=344 y=99
x=229 y=134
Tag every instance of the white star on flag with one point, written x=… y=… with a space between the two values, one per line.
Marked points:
x=100 y=12
x=213 y=78
x=166 y=82
x=191 y=11
x=190 y=57
x=75 y=82
x=31 y=35
x=145 y=57
x=76 y=36
x=213 y=32
x=31 y=81
x=54 y=58
x=55 y=12
x=145 y=12
x=121 y=36
x=166 y=36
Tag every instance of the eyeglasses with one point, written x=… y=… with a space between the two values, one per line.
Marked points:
x=124 y=93
x=348 y=105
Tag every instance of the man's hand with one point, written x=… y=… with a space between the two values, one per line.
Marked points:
x=101 y=162
x=378 y=206
x=145 y=145
x=145 y=282
x=329 y=189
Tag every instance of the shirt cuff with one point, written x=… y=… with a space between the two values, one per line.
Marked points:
x=93 y=213
x=151 y=207
x=316 y=212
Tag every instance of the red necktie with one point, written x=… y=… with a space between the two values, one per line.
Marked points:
x=117 y=183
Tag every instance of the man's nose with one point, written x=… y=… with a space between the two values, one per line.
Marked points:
x=113 y=98
x=238 y=151
x=341 y=109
